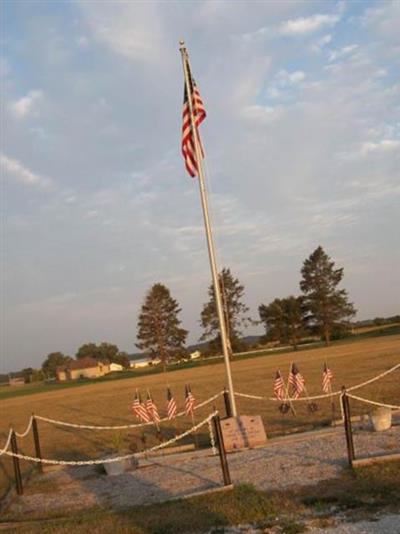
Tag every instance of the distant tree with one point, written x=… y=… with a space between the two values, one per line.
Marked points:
x=272 y=316
x=284 y=320
x=103 y=351
x=27 y=374
x=122 y=358
x=234 y=310
x=159 y=330
x=54 y=360
x=326 y=305
x=89 y=350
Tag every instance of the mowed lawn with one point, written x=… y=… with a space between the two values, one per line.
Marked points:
x=109 y=403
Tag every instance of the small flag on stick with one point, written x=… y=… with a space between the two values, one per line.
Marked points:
x=296 y=380
x=199 y=114
x=327 y=377
x=171 y=405
x=139 y=409
x=279 y=386
x=151 y=409
x=189 y=400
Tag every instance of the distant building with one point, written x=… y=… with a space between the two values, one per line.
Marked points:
x=116 y=367
x=143 y=362
x=16 y=381
x=84 y=368
x=194 y=355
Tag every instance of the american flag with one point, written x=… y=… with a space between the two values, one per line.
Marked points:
x=151 y=408
x=189 y=400
x=327 y=376
x=171 y=405
x=139 y=409
x=296 y=380
x=199 y=114
x=279 y=386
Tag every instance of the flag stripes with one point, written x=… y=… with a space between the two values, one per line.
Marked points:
x=189 y=400
x=139 y=409
x=151 y=409
x=171 y=405
x=327 y=377
x=296 y=380
x=199 y=114
x=279 y=386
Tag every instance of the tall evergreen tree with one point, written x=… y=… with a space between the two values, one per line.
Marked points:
x=327 y=306
x=159 y=331
x=284 y=320
x=234 y=310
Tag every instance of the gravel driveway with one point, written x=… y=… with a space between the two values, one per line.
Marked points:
x=283 y=463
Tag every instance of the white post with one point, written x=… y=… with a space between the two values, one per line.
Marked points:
x=210 y=241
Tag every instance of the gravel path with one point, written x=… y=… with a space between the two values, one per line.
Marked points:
x=280 y=464
x=388 y=524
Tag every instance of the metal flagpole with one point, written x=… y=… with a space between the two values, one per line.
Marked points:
x=210 y=241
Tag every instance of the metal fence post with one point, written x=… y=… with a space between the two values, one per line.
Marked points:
x=17 y=470
x=228 y=407
x=37 y=442
x=347 y=426
x=221 y=449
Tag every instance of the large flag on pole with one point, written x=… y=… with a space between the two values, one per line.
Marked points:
x=193 y=115
x=199 y=114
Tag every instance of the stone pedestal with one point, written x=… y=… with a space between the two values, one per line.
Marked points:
x=243 y=432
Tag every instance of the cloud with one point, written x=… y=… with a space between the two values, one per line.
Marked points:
x=21 y=173
x=306 y=25
x=283 y=81
x=27 y=104
x=342 y=52
x=134 y=30
x=369 y=148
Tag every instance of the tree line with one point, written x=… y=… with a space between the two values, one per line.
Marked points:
x=322 y=309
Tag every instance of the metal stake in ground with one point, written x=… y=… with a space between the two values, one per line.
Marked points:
x=37 y=442
x=347 y=426
x=228 y=408
x=221 y=448
x=17 y=470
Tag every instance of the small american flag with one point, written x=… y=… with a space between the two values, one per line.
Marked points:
x=279 y=386
x=151 y=409
x=199 y=114
x=327 y=376
x=171 y=405
x=296 y=380
x=189 y=400
x=139 y=409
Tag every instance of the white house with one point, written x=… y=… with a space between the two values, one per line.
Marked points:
x=194 y=355
x=116 y=367
x=143 y=362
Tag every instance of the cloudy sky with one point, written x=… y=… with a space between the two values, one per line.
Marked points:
x=303 y=149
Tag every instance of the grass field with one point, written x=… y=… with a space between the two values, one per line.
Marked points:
x=108 y=403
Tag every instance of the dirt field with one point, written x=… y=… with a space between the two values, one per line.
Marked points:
x=109 y=403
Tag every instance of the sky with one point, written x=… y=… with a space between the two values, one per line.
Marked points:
x=302 y=142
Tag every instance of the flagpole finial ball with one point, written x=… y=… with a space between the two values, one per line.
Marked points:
x=181 y=43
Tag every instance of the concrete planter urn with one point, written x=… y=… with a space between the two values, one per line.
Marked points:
x=381 y=419
x=120 y=466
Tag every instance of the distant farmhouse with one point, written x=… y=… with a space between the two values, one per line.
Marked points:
x=140 y=362
x=84 y=368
